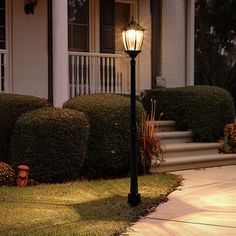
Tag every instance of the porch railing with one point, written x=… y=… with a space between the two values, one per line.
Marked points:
x=98 y=73
x=3 y=70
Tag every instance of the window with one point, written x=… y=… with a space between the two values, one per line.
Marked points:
x=114 y=15
x=122 y=17
x=2 y=25
x=95 y=26
x=107 y=26
x=78 y=25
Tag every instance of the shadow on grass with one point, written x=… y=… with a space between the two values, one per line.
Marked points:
x=109 y=216
x=115 y=208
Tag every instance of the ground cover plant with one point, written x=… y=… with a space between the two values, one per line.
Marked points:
x=96 y=207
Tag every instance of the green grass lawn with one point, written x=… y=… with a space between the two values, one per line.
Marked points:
x=79 y=208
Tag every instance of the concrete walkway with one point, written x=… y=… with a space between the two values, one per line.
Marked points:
x=204 y=205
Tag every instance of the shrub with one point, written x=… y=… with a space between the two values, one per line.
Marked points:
x=12 y=106
x=52 y=142
x=203 y=109
x=109 y=147
x=7 y=174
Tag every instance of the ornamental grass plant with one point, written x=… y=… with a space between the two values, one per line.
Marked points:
x=150 y=149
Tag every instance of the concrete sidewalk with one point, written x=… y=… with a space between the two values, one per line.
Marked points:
x=204 y=205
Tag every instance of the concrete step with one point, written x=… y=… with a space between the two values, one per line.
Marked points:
x=171 y=137
x=190 y=149
x=194 y=162
x=180 y=153
x=165 y=125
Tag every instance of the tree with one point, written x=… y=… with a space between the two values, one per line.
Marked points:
x=215 y=44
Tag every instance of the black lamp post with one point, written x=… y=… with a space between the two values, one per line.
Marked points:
x=133 y=39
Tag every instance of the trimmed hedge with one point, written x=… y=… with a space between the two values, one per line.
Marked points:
x=109 y=147
x=52 y=142
x=203 y=109
x=12 y=106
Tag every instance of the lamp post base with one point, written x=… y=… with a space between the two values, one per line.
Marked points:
x=134 y=199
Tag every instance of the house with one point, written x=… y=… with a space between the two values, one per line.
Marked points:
x=58 y=49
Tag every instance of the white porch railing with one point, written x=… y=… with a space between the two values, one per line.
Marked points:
x=98 y=73
x=3 y=70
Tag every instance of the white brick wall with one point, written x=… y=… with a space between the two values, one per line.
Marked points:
x=173 y=42
x=144 y=59
x=29 y=59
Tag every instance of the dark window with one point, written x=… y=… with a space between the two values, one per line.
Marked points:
x=122 y=18
x=2 y=25
x=107 y=26
x=113 y=17
x=78 y=25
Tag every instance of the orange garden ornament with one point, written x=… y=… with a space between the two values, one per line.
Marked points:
x=23 y=176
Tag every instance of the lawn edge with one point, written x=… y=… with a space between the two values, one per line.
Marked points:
x=151 y=207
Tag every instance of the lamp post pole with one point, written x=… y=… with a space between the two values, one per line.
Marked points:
x=133 y=196
x=133 y=39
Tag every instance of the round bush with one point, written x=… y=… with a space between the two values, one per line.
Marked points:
x=12 y=106
x=52 y=142
x=203 y=109
x=109 y=147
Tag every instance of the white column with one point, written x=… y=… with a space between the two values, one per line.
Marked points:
x=60 y=52
x=8 y=75
x=190 y=42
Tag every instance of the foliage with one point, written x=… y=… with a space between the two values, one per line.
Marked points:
x=52 y=142
x=150 y=148
x=168 y=100
x=229 y=138
x=79 y=208
x=215 y=45
x=7 y=174
x=215 y=26
x=109 y=141
x=12 y=106
x=203 y=109
x=230 y=131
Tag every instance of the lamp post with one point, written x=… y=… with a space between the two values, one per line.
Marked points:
x=133 y=39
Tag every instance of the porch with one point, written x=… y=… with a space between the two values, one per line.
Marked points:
x=36 y=57
x=88 y=73
x=98 y=73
